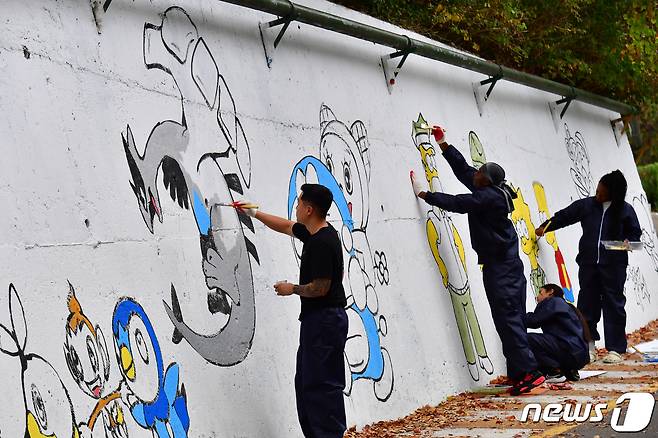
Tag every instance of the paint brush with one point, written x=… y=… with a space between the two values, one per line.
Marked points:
x=636 y=349
x=236 y=204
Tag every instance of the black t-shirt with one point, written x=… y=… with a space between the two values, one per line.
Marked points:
x=322 y=257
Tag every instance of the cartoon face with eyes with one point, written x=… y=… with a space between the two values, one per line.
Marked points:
x=48 y=409
x=85 y=350
x=524 y=228
x=345 y=153
x=137 y=349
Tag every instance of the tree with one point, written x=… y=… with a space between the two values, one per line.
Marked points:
x=608 y=47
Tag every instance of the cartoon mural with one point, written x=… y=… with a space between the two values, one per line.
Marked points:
x=48 y=408
x=551 y=239
x=636 y=283
x=522 y=219
x=88 y=361
x=478 y=155
x=157 y=402
x=643 y=211
x=204 y=159
x=580 y=163
x=449 y=254
x=528 y=239
x=344 y=168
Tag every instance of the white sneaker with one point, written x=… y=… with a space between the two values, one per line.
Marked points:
x=612 y=357
x=556 y=379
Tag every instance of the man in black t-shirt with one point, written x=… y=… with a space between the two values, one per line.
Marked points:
x=320 y=376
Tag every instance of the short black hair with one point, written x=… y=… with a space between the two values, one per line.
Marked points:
x=318 y=196
x=554 y=289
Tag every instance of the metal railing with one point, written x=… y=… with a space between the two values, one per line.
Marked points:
x=291 y=12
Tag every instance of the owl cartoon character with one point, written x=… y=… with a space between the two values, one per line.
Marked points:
x=86 y=354
x=48 y=408
x=157 y=402
x=448 y=251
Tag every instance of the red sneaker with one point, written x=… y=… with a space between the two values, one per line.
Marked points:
x=528 y=383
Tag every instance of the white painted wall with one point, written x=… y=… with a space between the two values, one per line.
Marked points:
x=67 y=95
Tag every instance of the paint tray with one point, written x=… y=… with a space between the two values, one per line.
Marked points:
x=619 y=245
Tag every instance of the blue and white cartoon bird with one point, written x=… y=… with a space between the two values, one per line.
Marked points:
x=153 y=394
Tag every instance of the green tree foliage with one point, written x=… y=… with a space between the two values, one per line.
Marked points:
x=649 y=176
x=609 y=47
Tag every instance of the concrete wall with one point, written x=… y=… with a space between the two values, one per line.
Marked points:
x=133 y=304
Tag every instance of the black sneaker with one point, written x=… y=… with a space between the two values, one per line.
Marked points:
x=572 y=375
x=528 y=383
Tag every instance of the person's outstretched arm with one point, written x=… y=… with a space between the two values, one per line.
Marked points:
x=466 y=203
x=276 y=223
x=462 y=170
x=544 y=311
x=563 y=218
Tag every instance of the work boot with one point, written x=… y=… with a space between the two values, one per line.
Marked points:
x=612 y=357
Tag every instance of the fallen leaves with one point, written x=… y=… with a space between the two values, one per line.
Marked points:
x=461 y=408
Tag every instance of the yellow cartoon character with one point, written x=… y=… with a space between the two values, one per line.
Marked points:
x=448 y=251
x=551 y=239
x=86 y=355
x=528 y=239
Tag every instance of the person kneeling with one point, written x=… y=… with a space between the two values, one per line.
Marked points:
x=562 y=347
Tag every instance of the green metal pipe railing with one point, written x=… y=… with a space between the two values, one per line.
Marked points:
x=324 y=20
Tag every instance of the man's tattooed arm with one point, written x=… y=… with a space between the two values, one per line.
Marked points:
x=315 y=289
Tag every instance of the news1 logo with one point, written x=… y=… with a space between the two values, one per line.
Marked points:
x=638 y=412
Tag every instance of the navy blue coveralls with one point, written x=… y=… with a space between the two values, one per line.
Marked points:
x=320 y=374
x=602 y=272
x=494 y=239
x=562 y=341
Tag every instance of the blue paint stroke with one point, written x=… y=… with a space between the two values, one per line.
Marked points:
x=326 y=179
x=375 y=367
x=201 y=215
x=568 y=294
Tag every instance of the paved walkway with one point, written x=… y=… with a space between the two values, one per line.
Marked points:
x=484 y=415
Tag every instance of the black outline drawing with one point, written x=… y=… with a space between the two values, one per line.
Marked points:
x=635 y=281
x=447 y=248
x=43 y=410
x=176 y=48
x=89 y=365
x=580 y=163
x=649 y=239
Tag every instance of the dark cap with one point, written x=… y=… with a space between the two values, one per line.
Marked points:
x=494 y=172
